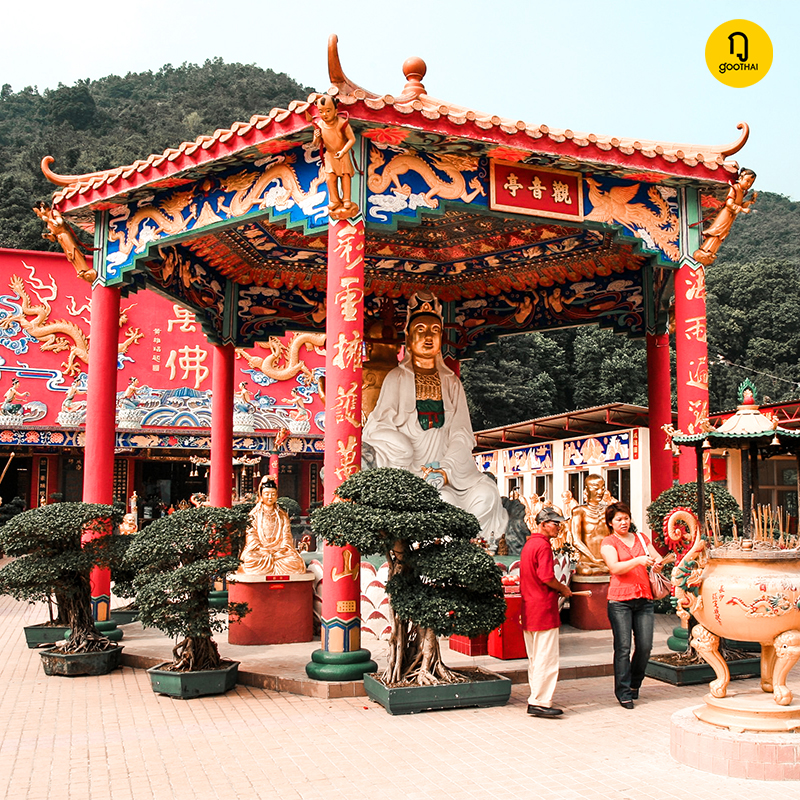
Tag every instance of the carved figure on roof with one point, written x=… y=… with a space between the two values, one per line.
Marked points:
x=129 y=397
x=69 y=403
x=335 y=138
x=243 y=400
x=268 y=548
x=735 y=203
x=59 y=231
x=421 y=423
x=10 y=407
x=588 y=528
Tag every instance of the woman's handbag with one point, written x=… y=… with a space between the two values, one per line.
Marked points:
x=659 y=585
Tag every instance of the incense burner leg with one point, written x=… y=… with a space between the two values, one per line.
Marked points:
x=767 y=666
x=787 y=652
x=707 y=644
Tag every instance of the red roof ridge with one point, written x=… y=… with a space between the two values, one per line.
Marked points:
x=413 y=100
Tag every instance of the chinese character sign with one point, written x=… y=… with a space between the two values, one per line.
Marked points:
x=539 y=192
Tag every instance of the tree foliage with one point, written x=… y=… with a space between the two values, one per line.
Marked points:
x=50 y=561
x=176 y=559
x=116 y=120
x=440 y=583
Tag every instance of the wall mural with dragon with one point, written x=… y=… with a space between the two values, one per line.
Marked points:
x=45 y=345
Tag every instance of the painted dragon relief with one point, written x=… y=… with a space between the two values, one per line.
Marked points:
x=284 y=361
x=277 y=185
x=385 y=175
x=33 y=320
x=658 y=229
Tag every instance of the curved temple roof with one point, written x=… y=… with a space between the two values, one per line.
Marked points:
x=509 y=139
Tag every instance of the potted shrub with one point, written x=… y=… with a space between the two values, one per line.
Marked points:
x=123 y=574
x=51 y=562
x=439 y=583
x=176 y=559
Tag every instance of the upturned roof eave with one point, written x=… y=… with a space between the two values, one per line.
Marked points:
x=705 y=165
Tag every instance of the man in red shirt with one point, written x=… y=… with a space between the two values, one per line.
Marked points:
x=540 y=617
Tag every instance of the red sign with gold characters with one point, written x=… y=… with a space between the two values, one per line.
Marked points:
x=539 y=192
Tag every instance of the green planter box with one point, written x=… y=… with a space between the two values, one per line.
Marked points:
x=73 y=664
x=186 y=685
x=413 y=699
x=123 y=616
x=37 y=635
x=691 y=674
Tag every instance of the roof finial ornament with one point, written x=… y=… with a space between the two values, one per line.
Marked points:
x=63 y=180
x=340 y=81
x=414 y=69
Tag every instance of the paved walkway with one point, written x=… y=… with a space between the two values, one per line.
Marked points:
x=110 y=737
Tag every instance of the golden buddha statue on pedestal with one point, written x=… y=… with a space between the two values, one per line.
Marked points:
x=268 y=548
x=588 y=528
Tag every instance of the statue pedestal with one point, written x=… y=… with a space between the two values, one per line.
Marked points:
x=589 y=613
x=281 y=608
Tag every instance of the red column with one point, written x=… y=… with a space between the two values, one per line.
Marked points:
x=658 y=394
x=219 y=482
x=691 y=350
x=341 y=656
x=275 y=468
x=101 y=409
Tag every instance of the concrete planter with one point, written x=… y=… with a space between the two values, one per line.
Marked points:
x=72 y=664
x=691 y=674
x=413 y=699
x=124 y=616
x=37 y=635
x=185 y=685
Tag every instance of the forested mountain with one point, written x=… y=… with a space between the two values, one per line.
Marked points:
x=753 y=289
x=115 y=120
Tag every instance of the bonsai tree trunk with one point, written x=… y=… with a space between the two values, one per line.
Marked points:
x=414 y=655
x=76 y=611
x=198 y=651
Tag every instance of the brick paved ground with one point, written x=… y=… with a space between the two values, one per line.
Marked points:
x=112 y=738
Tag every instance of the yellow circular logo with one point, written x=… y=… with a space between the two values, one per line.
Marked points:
x=739 y=53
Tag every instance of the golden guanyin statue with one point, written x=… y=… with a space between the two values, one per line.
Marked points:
x=588 y=528
x=268 y=548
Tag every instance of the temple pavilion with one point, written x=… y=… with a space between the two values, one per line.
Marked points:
x=514 y=226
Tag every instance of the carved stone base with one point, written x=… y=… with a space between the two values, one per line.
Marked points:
x=344 y=212
x=749 y=711
x=130 y=418
x=71 y=419
x=11 y=420
x=722 y=751
x=243 y=422
x=300 y=427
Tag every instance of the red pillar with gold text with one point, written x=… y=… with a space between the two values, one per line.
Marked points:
x=101 y=408
x=691 y=350
x=275 y=468
x=341 y=656
x=219 y=482
x=660 y=405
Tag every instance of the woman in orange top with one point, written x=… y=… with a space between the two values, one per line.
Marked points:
x=630 y=601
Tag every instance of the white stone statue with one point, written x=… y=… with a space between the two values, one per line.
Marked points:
x=421 y=423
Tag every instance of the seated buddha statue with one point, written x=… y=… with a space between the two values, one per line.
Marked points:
x=268 y=548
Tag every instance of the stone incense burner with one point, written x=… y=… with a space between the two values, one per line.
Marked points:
x=747 y=591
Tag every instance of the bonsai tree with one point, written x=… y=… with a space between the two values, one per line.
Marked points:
x=52 y=562
x=175 y=559
x=8 y=510
x=439 y=583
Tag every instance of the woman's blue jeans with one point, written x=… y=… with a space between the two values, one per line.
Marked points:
x=630 y=617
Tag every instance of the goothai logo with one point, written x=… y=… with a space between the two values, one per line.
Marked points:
x=739 y=53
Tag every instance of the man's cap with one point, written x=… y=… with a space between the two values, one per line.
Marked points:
x=549 y=515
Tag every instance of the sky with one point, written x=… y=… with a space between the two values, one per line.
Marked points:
x=626 y=68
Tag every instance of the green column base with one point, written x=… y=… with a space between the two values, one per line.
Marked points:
x=327 y=666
